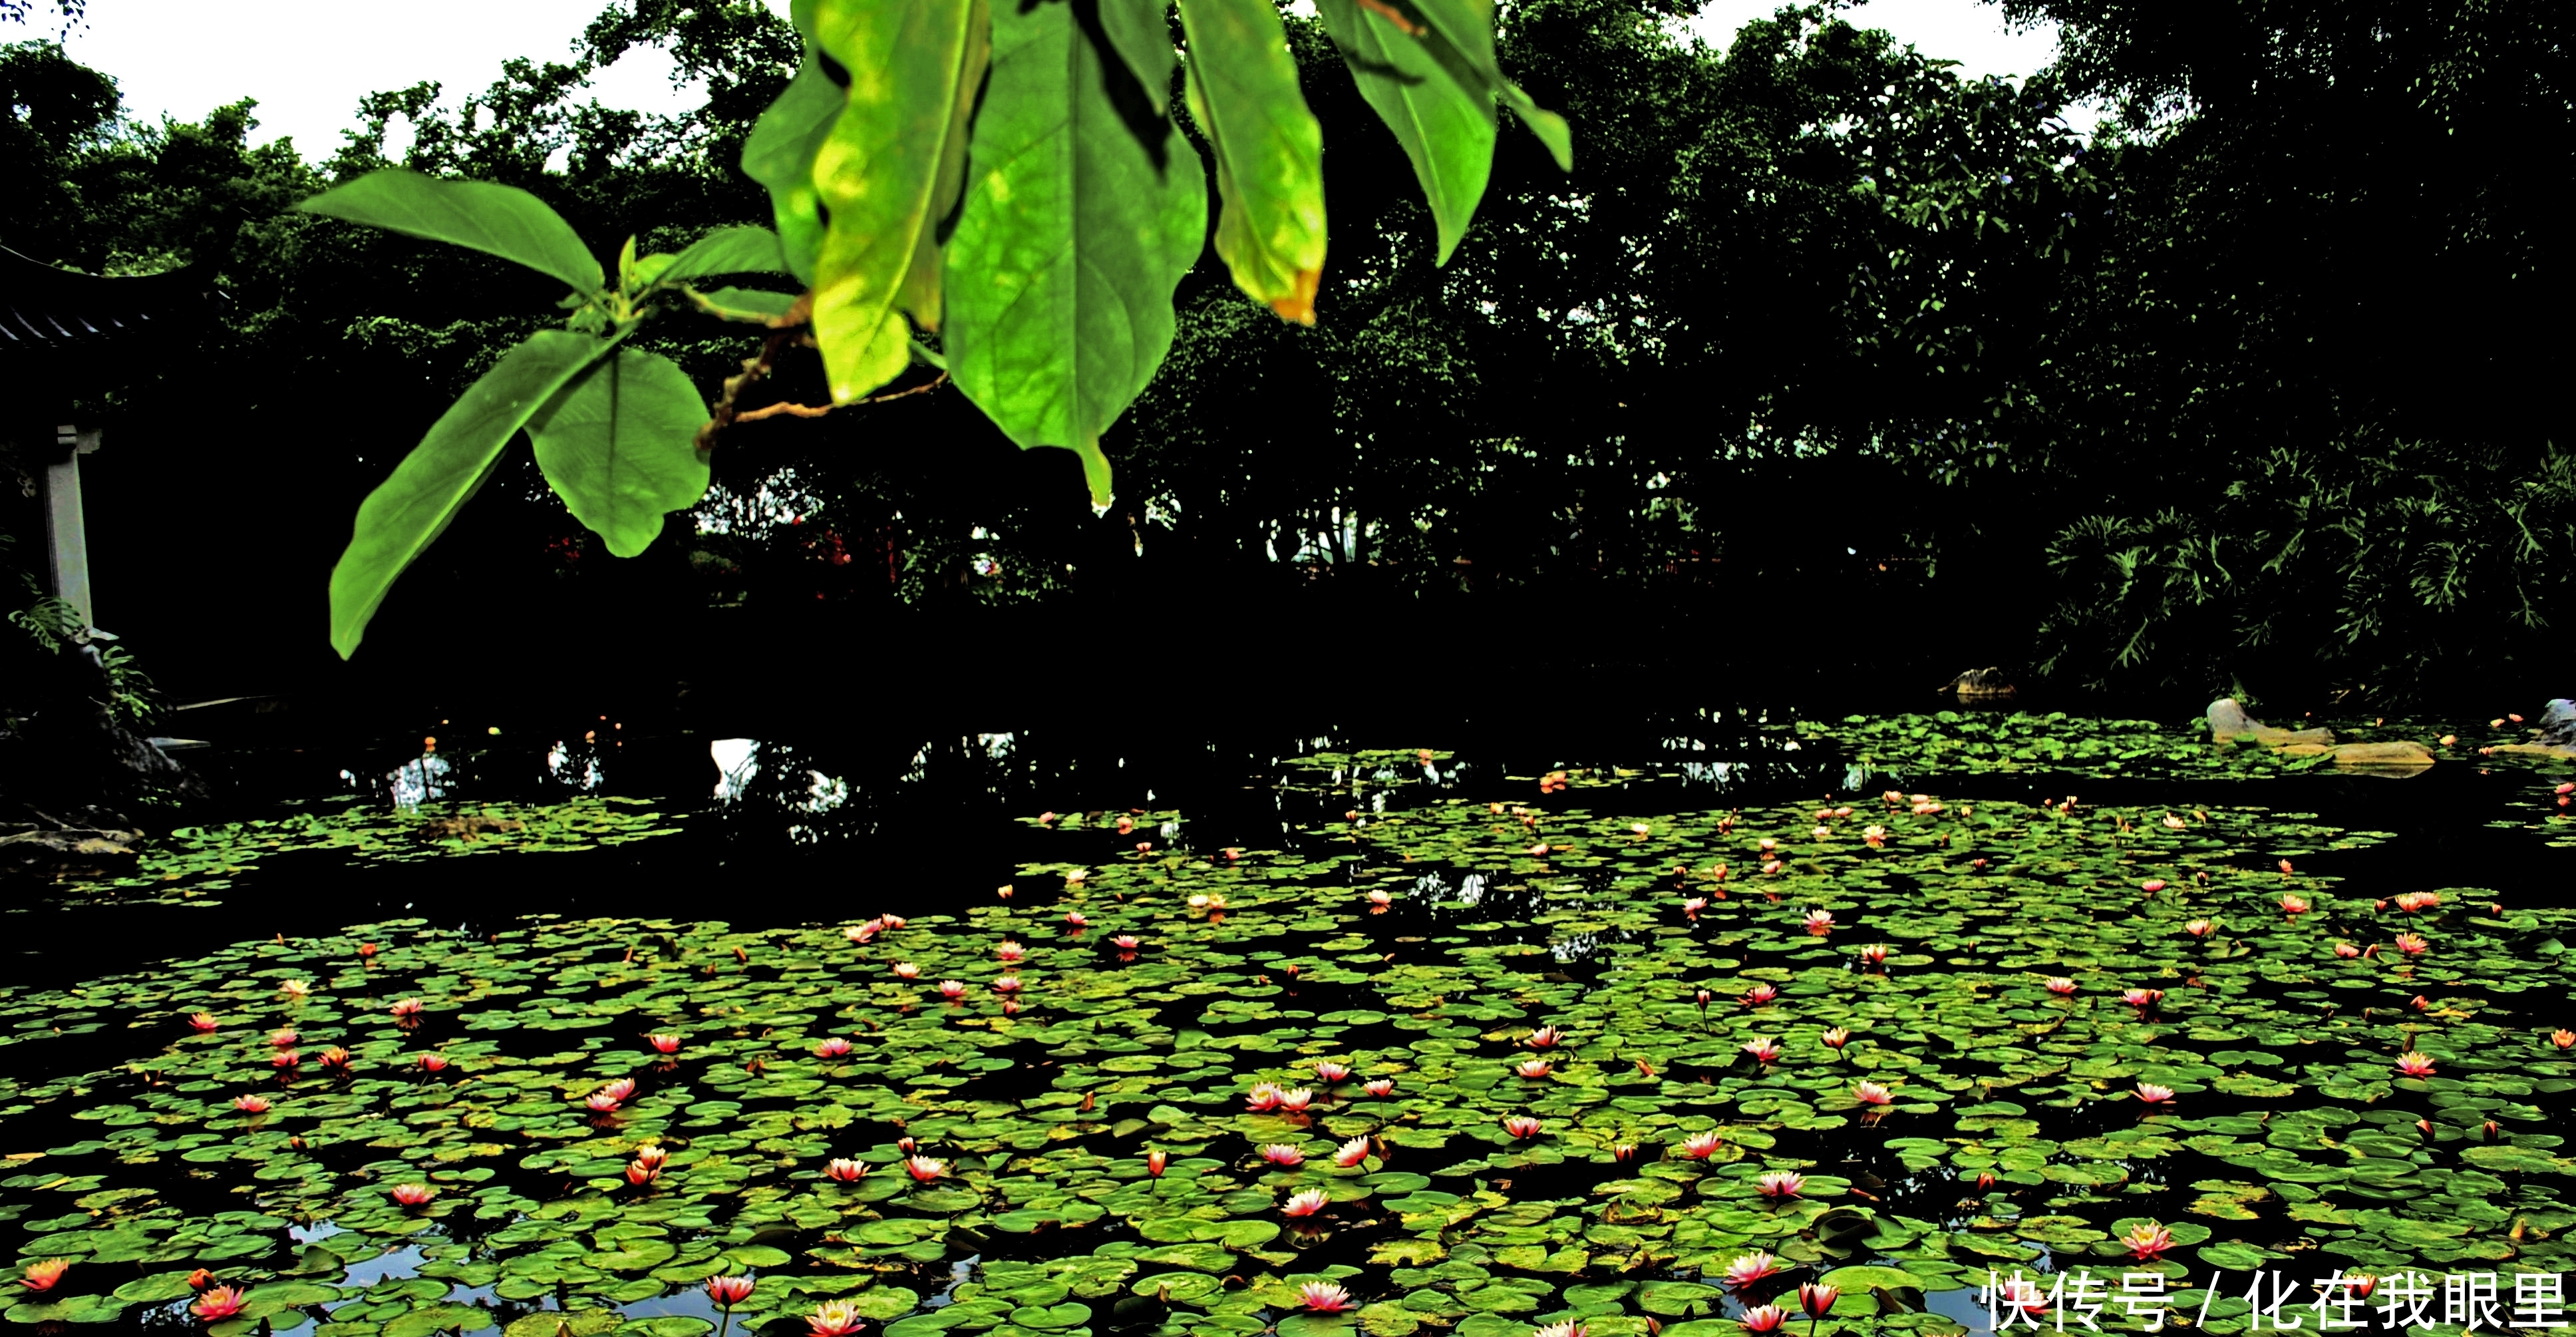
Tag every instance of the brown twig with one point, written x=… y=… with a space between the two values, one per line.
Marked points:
x=795 y=410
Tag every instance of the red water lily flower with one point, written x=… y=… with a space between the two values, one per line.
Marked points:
x=663 y=1044
x=220 y=1303
x=729 y=1291
x=251 y=1104
x=40 y=1277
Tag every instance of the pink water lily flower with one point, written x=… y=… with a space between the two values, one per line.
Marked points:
x=2199 y=928
x=923 y=1169
x=40 y=1277
x=2142 y=998
x=2413 y=944
x=952 y=990
x=1763 y=1318
x=1820 y=921
x=283 y=1038
x=1125 y=942
x=1763 y=1049
x=1263 y=1097
x=1306 y=1203
x=834 y=1047
x=1835 y=1037
x=835 y=1318
x=218 y=1304
x=1296 y=1099
x=2152 y=885
x=1781 y=1184
x=845 y=1171
x=2415 y=1063
x=201 y=1021
x=1871 y=1093
x=1749 y=1268
x=407 y=1010
x=1816 y=1299
x=1007 y=984
x=1351 y=1153
x=1534 y=1067
x=1280 y=1153
x=905 y=970
x=1521 y=1126
x=2061 y=986
x=1874 y=954
x=2294 y=905
x=663 y=1044
x=413 y=1195
x=1324 y=1297
x=652 y=1154
x=251 y=1104
x=2147 y=1240
x=1760 y=994
x=1569 y=1328
x=2151 y=1094
x=729 y=1291
x=1699 y=1146
x=1546 y=1037
x=1329 y=1072
x=1385 y=1086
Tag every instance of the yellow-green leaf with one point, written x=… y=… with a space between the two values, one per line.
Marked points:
x=1446 y=130
x=877 y=172
x=1269 y=151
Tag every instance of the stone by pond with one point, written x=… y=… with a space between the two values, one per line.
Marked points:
x=1476 y=1055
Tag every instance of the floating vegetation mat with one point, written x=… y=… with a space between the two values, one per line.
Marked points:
x=1450 y=1067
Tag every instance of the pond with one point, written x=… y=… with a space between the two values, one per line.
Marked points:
x=1982 y=1020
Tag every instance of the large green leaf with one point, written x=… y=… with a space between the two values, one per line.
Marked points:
x=619 y=446
x=406 y=513
x=1269 y=151
x=728 y=250
x=1461 y=36
x=780 y=156
x=877 y=173
x=504 y=220
x=1446 y=130
x=1076 y=227
x=1140 y=31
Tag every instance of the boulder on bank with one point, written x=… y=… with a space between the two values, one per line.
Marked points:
x=2228 y=722
x=2556 y=736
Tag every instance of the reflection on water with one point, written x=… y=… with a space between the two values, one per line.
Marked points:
x=420 y=780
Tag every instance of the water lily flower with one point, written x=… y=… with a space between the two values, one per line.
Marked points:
x=1985 y=1180
x=2147 y=1240
x=729 y=1291
x=366 y=951
x=41 y=1277
x=1871 y=1093
x=2199 y=928
x=639 y=1174
x=620 y=1090
x=893 y=921
x=1262 y=1097
x=2563 y=1038
x=1545 y=1037
x=1835 y=1037
x=251 y=1104
x=652 y=1154
x=2152 y=885
x=1763 y=1318
x=1351 y=1153
x=220 y=1303
x=413 y=1195
x=296 y=990
x=663 y=1044
x=952 y=990
x=201 y=1021
x=1329 y=1072
x=2025 y=1295
x=408 y=1010
x=285 y=1058
x=1385 y=1086
x=335 y=1058
x=845 y=1171
x=1281 y=1154
x=1007 y=984
x=1699 y=1146
x=1702 y=998
x=2413 y=944
x=200 y=1279
x=1817 y=1299
x=1125 y=942
x=1781 y=1184
x=1306 y=1203
x=1535 y=1067
x=923 y=1169
x=835 y=1318
x=1198 y=902
x=2285 y=868
x=1155 y=1161
x=2415 y=1063
x=905 y=970
x=1324 y=1297
x=834 y=1047
x=2142 y=999
x=1521 y=1126
x=1569 y=1328
x=1820 y=922
x=1760 y=994
x=283 y=1038
x=1772 y=866
x=1296 y=1099
x=1380 y=897
x=1766 y=844
x=1874 y=954
x=2421 y=1003
x=2061 y=986
x=2294 y=905
x=860 y=933
x=602 y=1102
x=1749 y=1268
x=1874 y=836
x=2346 y=950
x=1076 y=919
x=2151 y=1094
x=1009 y=951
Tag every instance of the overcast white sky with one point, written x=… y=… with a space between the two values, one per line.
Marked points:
x=308 y=61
